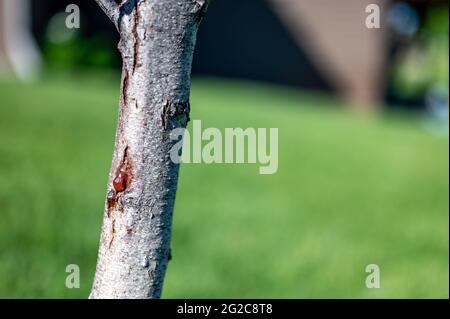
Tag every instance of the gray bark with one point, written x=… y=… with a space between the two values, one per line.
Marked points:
x=157 y=44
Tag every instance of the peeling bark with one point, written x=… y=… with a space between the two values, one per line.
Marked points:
x=157 y=43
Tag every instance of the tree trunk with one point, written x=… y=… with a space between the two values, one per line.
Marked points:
x=157 y=44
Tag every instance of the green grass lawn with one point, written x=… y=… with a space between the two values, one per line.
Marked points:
x=350 y=191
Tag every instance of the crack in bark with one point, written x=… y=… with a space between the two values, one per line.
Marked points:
x=112 y=200
x=113 y=233
x=126 y=162
x=164 y=114
x=137 y=18
x=125 y=87
x=120 y=183
x=136 y=105
x=123 y=174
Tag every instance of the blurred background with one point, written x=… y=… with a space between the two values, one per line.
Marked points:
x=363 y=150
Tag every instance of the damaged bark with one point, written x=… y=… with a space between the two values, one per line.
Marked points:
x=157 y=39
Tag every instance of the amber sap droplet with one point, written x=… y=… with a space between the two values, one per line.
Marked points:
x=119 y=182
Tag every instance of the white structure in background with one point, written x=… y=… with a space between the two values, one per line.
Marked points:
x=335 y=36
x=18 y=50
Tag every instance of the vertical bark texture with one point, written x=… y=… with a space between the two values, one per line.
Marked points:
x=157 y=44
